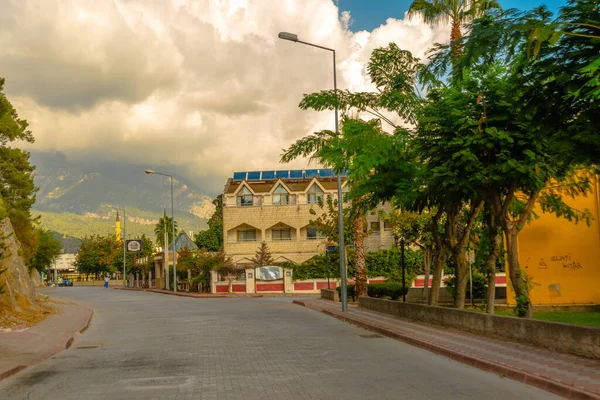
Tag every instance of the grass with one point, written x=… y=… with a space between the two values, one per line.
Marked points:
x=575 y=318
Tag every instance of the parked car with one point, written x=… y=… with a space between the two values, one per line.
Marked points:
x=65 y=282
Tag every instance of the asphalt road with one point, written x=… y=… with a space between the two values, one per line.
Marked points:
x=153 y=346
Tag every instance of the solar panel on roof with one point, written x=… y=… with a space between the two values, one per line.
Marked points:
x=325 y=173
x=296 y=174
x=311 y=173
x=268 y=175
x=254 y=176
x=238 y=176
x=282 y=174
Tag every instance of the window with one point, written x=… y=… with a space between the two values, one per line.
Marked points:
x=387 y=225
x=375 y=226
x=314 y=194
x=282 y=234
x=313 y=234
x=281 y=196
x=247 y=236
x=244 y=197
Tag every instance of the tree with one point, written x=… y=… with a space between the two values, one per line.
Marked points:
x=458 y=12
x=47 y=251
x=16 y=176
x=212 y=238
x=227 y=269
x=262 y=258
x=159 y=230
x=96 y=255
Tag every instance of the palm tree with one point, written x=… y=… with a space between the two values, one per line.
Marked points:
x=159 y=230
x=459 y=12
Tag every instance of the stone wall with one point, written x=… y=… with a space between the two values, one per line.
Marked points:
x=574 y=339
x=19 y=284
x=330 y=294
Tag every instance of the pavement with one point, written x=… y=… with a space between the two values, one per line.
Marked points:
x=29 y=346
x=567 y=375
x=144 y=345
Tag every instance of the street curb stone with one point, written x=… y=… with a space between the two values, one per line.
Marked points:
x=568 y=392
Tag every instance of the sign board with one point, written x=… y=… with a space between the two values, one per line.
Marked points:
x=134 y=246
x=269 y=273
x=331 y=248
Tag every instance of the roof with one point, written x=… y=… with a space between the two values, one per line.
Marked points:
x=295 y=185
x=182 y=241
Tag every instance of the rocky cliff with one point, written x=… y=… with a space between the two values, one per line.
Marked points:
x=18 y=285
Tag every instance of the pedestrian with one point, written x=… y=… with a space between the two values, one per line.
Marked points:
x=106 y=279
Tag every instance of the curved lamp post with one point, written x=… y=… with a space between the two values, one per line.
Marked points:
x=294 y=38
x=151 y=172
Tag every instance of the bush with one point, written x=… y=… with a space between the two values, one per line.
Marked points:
x=393 y=290
x=479 y=286
x=350 y=289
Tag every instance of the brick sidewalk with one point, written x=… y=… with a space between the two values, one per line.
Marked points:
x=20 y=349
x=569 y=376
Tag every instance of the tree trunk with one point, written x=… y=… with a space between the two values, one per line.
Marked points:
x=427 y=268
x=517 y=280
x=439 y=261
x=462 y=268
x=360 y=266
x=495 y=236
x=230 y=287
x=455 y=35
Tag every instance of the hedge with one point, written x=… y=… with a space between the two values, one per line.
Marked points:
x=392 y=290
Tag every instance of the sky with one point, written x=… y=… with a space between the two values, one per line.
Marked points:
x=370 y=14
x=203 y=87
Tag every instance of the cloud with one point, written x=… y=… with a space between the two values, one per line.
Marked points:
x=203 y=85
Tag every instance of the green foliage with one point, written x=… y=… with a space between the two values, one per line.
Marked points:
x=479 y=286
x=393 y=290
x=349 y=289
x=387 y=263
x=97 y=255
x=263 y=256
x=47 y=251
x=212 y=238
x=164 y=222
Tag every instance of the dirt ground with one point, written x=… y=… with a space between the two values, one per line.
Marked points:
x=26 y=314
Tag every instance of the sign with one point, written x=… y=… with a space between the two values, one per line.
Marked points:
x=269 y=273
x=134 y=246
x=331 y=248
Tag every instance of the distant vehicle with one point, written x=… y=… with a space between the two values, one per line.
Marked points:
x=65 y=282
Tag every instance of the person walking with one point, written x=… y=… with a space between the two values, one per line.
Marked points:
x=106 y=279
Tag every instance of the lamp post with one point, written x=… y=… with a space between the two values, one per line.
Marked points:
x=294 y=38
x=151 y=172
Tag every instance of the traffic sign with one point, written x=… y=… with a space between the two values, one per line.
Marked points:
x=331 y=248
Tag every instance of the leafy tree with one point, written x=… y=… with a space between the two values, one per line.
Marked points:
x=159 y=230
x=227 y=269
x=212 y=238
x=458 y=12
x=96 y=255
x=47 y=251
x=16 y=176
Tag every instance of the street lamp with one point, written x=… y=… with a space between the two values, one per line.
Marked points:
x=124 y=240
x=294 y=38
x=151 y=172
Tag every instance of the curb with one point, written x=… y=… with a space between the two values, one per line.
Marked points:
x=569 y=392
x=12 y=371
x=186 y=294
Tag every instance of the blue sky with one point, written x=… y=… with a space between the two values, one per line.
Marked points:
x=369 y=14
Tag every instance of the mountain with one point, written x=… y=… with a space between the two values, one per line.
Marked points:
x=78 y=198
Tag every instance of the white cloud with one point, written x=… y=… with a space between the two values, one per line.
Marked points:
x=201 y=84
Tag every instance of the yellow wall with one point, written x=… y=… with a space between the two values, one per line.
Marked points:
x=563 y=258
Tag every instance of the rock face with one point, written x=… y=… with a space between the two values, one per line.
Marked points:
x=18 y=284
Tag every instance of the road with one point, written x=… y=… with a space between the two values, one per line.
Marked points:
x=153 y=346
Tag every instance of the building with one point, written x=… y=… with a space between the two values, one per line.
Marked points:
x=275 y=207
x=562 y=258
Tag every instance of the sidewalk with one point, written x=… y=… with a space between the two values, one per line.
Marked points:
x=20 y=349
x=566 y=375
